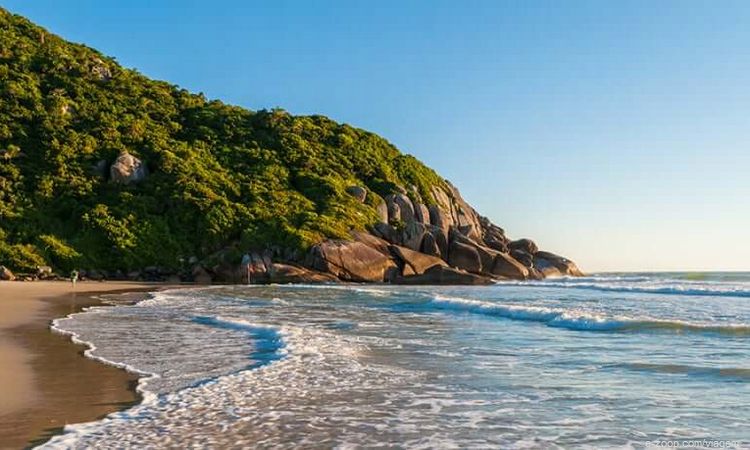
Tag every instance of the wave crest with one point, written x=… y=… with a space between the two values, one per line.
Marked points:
x=580 y=320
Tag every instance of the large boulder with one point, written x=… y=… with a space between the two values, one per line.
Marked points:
x=547 y=263
x=508 y=267
x=357 y=192
x=289 y=273
x=127 y=169
x=445 y=275
x=352 y=261
x=6 y=274
x=464 y=256
x=417 y=262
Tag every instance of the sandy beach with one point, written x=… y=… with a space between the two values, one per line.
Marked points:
x=45 y=381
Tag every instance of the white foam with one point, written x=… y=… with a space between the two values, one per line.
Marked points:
x=642 y=285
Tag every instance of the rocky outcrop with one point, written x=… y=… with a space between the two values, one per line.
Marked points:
x=127 y=169
x=6 y=274
x=352 y=261
x=100 y=70
x=447 y=242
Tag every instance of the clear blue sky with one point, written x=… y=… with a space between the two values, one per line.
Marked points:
x=616 y=133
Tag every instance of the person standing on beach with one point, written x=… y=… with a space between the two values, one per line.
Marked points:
x=246 y=264
x=73 y=277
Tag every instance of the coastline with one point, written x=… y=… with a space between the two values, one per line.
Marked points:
x=45 y=381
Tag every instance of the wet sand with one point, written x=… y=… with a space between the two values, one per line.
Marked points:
x=45 y=381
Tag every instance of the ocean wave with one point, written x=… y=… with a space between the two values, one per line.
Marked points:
x=581 y=320
x=735 y=373
x=645 y=286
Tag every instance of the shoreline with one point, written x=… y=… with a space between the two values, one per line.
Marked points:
x=46 y=382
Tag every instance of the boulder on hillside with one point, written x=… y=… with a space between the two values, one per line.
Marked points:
x=6 y=274
x=352 y=261
x=100 y=70
x=127 y=169
x=357 y=192
x=416 y=261
x=445 y=275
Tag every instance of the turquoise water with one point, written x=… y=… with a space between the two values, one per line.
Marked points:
x=614 y=360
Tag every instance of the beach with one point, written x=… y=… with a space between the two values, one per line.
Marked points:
x=45 y=381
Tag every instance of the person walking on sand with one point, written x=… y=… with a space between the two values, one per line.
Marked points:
x=73 y=277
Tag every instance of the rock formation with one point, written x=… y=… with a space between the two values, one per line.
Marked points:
x=127 y=169
x=447 y=242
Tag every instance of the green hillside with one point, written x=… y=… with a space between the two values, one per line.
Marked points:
x=220 y=176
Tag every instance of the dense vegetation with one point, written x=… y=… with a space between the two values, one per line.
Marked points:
x=220 y=176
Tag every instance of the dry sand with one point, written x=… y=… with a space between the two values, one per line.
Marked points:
x=45 y=382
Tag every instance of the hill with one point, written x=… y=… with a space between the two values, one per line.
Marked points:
x=105 y=169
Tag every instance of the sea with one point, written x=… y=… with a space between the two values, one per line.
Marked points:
x=615 y=360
